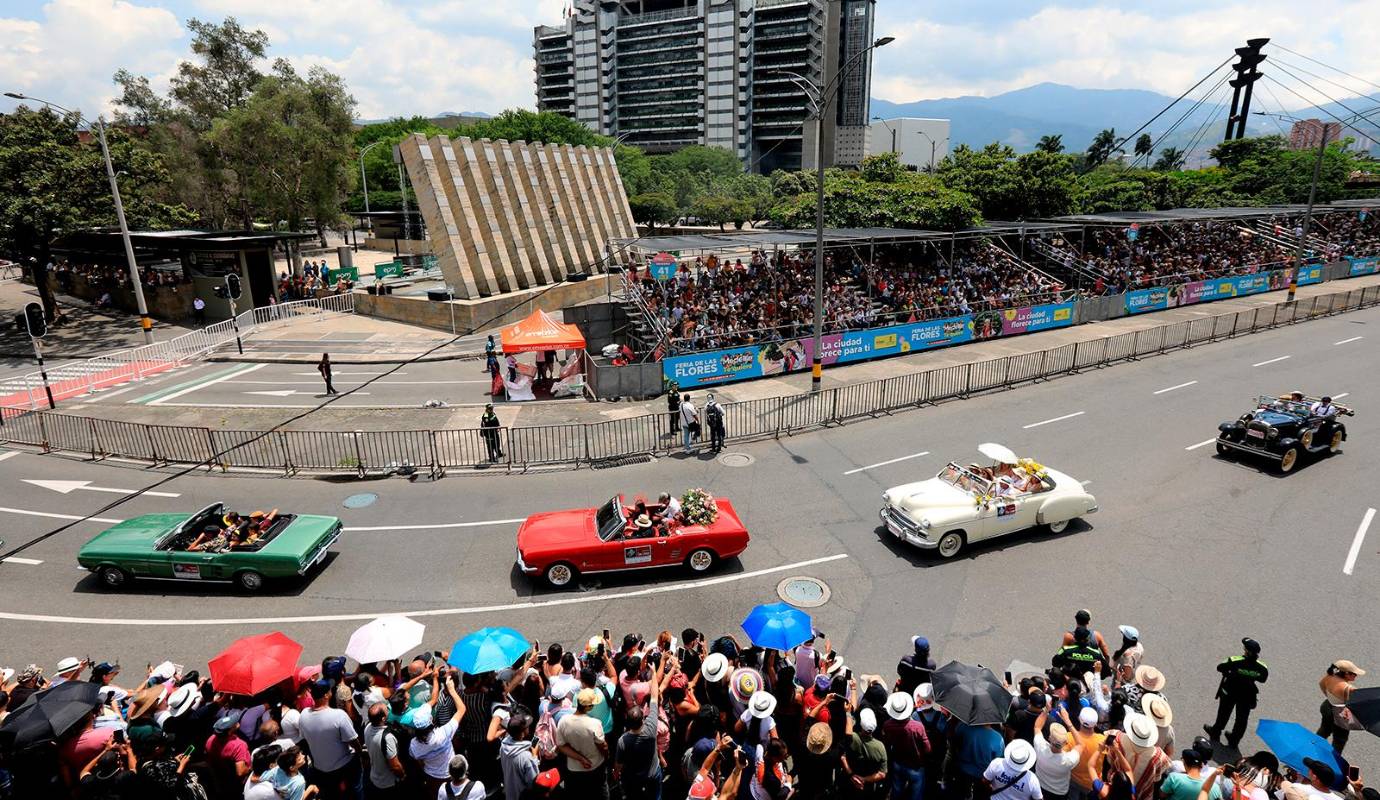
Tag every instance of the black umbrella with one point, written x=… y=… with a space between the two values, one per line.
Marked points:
x=1365 y=707
x=49 y=714
x=972 y=694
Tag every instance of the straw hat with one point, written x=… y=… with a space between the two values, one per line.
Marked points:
x=715 y=667
x=1141 y=730
x=1149 y=678
x=1019 y=756
x=1157 y=709
x=145 y=700
x=900 y=706
x=643 y=521
x=820 y=738
x=762 y=704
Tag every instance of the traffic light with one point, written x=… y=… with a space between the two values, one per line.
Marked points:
x=232 y=285
x=32 y=319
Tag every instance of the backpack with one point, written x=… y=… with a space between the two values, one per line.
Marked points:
x=545 y=735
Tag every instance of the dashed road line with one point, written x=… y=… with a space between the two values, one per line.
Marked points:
x=1201 y=444
x=31 y=562
x=1056 y=419
x=1271 y=361
x=432 y=527
x=884 y=463
x=1172 y=388
x=1349 y=341
x=1356 y=542
x=51 y=515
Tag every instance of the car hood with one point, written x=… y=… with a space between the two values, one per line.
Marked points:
x=556 y=530
x=928 y=495
x=1274 y=418
x=134 y=536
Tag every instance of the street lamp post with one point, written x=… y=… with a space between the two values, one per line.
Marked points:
x=889 y=128
x=820 y=97
x=364 y=179
x=144 y=321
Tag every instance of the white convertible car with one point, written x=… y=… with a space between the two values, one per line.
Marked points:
x=969 y=504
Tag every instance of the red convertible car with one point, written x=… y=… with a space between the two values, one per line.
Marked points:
x=559 y=545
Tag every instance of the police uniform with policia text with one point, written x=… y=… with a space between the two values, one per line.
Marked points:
x=1241 y=676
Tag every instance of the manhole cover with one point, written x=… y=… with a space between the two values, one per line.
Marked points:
x=803 y=592
x=360 y=500
x=736 y=459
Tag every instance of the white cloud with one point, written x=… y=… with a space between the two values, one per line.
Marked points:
x=69 y=55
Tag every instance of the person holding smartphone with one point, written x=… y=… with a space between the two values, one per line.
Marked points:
x=112 y=772
x=163 y=771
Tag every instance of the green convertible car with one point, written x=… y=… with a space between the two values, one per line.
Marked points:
x=156 y=546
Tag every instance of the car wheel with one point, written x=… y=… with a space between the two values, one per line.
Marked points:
x=560 y=574
x=249 y=581
x=1307 y=439
x=113 y=577
x=1290 y=459
x=1336 y=443
x=950 y=543
x=1058 y=527
x=1222 y=449
x=701 y=560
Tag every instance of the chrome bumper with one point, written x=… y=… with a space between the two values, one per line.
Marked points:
x=522 y=565
x=904 y=529
x=1258 y=451
x=320 y=554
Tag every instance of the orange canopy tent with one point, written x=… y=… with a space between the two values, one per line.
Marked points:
x=541 y=331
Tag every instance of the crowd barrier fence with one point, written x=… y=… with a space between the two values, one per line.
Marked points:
x=616 y=441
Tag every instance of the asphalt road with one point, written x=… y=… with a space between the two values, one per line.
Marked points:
x=1195 y=550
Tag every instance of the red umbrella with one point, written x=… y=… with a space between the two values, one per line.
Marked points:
x=255 y=663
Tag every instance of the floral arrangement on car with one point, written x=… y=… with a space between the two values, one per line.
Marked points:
x=1032 y=467
x=699 y=507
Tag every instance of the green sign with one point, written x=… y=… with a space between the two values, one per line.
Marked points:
x=388 y=269
x=348 y=273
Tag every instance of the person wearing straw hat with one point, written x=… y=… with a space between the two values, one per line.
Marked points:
x=1137 y=742
x=1055 y=757
x=1147 y=679
x=1011 y=776
x=1157 y=708
x=1337 y=686
x=817 y=768
x=908 y=747
x=142 y=727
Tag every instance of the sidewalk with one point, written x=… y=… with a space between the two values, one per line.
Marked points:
x=86 y=333
x=352 y=339
x=575 y=411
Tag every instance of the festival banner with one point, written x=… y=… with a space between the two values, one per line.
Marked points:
x=793 y=355
x=1186 y=294
x=1363 y=266
x=663 y=266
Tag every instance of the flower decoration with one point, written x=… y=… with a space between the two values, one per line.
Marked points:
x=699 y=507
x=1032 y=467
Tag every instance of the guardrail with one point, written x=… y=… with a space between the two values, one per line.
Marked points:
x=615 y=441
x=133 y=363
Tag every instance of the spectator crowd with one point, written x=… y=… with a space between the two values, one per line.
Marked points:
x=688 y=716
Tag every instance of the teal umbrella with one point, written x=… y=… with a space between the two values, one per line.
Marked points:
x=488 y=650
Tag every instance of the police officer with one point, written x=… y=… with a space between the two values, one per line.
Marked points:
x=1237 y=691
x=673 y=406
x=1077 y=658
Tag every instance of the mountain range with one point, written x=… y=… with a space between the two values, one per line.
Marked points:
x=1020 y=117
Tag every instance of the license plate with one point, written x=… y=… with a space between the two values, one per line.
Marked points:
x=1256 y=434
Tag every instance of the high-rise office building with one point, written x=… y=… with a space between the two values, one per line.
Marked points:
x=663 y=74
x=1306 y=133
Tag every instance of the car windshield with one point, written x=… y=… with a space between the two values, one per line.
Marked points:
x=1299 y=408
x=965 y=478
x=610 y=518
x=195 y=524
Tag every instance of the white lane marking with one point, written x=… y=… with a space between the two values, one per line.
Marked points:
x=438 y=525
x=1056 y=419
x=1356 y=543
x=884 y=463
x=337 y=372
x=1201 y=444
x=281 y=406
x=578 y=599
x=102 y=394
x=1349 y=341
x=199 y=386
x=343 y=383
x=1271 y=361
x=67 y=487
x=1340 y=396
x=8 y=454
x=291 y=392
x=1172 y=388
x=32 y=562
x=51 y=515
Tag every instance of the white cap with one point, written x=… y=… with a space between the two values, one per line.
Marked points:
x=868 y=720
x=1087 y=718
x=924 y=696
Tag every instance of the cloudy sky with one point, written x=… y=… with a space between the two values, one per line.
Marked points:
x=402 y=57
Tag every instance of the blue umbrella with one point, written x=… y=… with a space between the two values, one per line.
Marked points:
x=1292 y=743
x=488 y=650
x=778 y=626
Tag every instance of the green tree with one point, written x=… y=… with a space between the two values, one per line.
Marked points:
x=882 y=168
x=917 y=200
x=380 y=171
x=293 y=146
x=1045 y=186
x=521 y=125
x=51 y=183
x=227 y=72
x=1051 y=143
x=1171 y=158
x=1144 y=147
x=699 y=160
x=1101 y=148
x=634 y=168
x=654 y=208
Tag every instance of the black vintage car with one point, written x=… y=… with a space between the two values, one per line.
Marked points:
x=1284 y=430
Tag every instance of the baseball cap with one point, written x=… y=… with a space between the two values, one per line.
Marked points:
x=587 y=698
x=1130 y=632
x=227 y=722
x=703 y=788
x=867 y=718
x=924 y=696
x=561 y=691
x=105 y=668
x=1251 y=645
x=321 y=688
x=920 y=642
x=1087 y=718
x=549 y=779
x=421 y=717
x=821 y=683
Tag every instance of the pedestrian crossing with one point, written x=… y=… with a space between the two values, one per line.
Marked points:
x=62 y=372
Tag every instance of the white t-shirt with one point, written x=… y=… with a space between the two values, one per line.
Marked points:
x=435 y=752
x=1024 y=787
x=263 y=790
x=1053 y=768
x=568 y=682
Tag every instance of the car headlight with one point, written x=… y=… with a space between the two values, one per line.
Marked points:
x=1273 y=434
x=925 y=523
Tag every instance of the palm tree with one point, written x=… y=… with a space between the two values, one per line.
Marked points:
x=1051 y=143
x=1144 y=147
x=1171 y=158
x=1101 y=148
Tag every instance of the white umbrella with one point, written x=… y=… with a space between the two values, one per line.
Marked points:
x=384 y=639
x=999 y=453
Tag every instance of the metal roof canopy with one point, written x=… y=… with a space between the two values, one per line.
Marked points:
x=833 y=237
x=1178 y=215
x=180 y=240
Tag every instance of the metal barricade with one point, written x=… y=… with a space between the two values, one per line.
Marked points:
x=177 y=445
x=251 y=450
x=324 y=450
x=381 y=451
x=748 y=419
x=21 y=426
x=69 y=433
x=946 y=383
x=1025 y=367
x=1150 y=340
x=1089 y=353
x=1175 y=335
x=1058 y=361
x=860 y=399
x=620 y=438
x=547 y=444
x=127 y=439
x=469 y=447
x=904 y=391
x=989 y=374
x=802 y=411
x=1119 y=347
